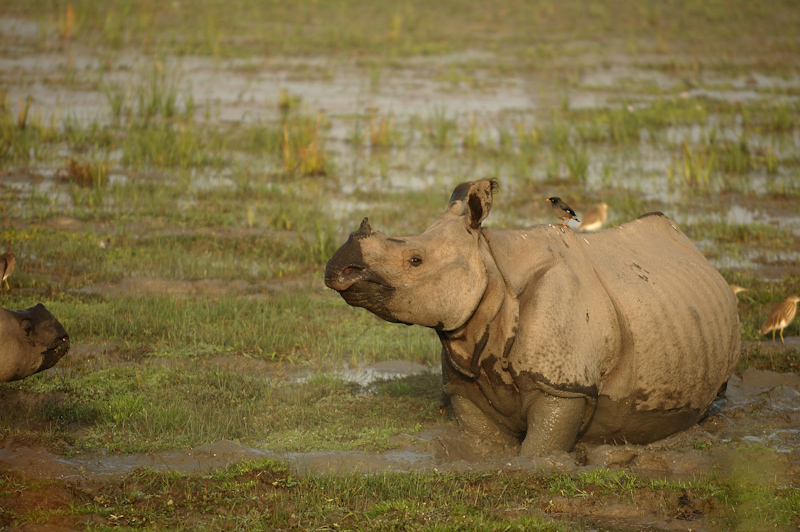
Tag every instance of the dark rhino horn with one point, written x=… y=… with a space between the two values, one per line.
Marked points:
x=364 y=229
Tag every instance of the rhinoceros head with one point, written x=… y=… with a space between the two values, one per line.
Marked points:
x=31 y=340
x=435 y=279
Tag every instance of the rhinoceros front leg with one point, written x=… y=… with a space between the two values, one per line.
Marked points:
x=553 y=424
x=474 y=421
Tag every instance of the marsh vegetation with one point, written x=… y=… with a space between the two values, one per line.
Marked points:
x=173 y=178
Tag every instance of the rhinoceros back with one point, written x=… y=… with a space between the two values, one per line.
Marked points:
x=678 y=321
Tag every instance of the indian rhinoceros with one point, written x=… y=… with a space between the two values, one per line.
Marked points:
x=31 y=340
x=549 y=337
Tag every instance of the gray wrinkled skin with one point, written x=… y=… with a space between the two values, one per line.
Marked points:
x=549 y=337
x=31 y=341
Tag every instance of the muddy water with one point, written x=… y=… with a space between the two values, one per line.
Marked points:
x=248 y=90
x=751 y=433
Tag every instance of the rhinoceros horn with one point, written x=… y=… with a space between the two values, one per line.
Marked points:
x=364 y=230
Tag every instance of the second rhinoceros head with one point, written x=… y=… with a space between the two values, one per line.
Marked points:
x=31 y=340
x=420 y=279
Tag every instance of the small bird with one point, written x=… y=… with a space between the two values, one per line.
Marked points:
x=8 y=261
x=735 y=288
x=780 y=317
x=562 y=210
x=594 y=218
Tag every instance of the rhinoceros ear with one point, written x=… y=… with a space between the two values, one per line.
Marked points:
x=473 y=199
x=26 y=326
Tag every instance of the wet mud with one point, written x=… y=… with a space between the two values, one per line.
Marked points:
x=752 y=432
x=751 y=435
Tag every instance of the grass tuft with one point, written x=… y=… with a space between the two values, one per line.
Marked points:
x=91 y=174
x=303 y=148
x=382 y=131
x=693 y=169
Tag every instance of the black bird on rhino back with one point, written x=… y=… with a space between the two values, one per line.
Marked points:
x=562 y=210
x=549 y=338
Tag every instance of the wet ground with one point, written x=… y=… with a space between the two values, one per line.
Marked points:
x=750 y=433
x=760 y=410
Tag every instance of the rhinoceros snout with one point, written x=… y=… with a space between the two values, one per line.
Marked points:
x=347 y=266
x=57 y=349
x=60 y=341
x=342 y=279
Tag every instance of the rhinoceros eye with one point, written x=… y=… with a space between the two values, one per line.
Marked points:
x=415 y=261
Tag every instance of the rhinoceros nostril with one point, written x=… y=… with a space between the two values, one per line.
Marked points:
x=351 y=269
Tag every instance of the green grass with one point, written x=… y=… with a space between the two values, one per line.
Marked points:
x=302 y=147
x=385 y=30
x=439 y=128
x=153 y=126
x=185 y=190
x=240 y=217
x=266 y=495
x=25 y=136
x=756 y=234
x=693 y=169
x=383 y=131
x=193 y=256
x=146 y=406
x=306 y=326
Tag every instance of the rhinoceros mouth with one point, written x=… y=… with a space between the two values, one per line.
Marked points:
x=359 y=288
x=364 y=292
x=371 y=295
x=346 y=278
x=53 y=354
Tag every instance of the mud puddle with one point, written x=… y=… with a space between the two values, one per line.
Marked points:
x=366 y=376
x=751 y=433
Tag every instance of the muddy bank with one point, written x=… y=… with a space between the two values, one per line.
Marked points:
x=750 y=433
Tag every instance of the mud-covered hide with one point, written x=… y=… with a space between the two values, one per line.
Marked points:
x=420 y=279
x=31 y=341
x=551 y=337
x=634 y=315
